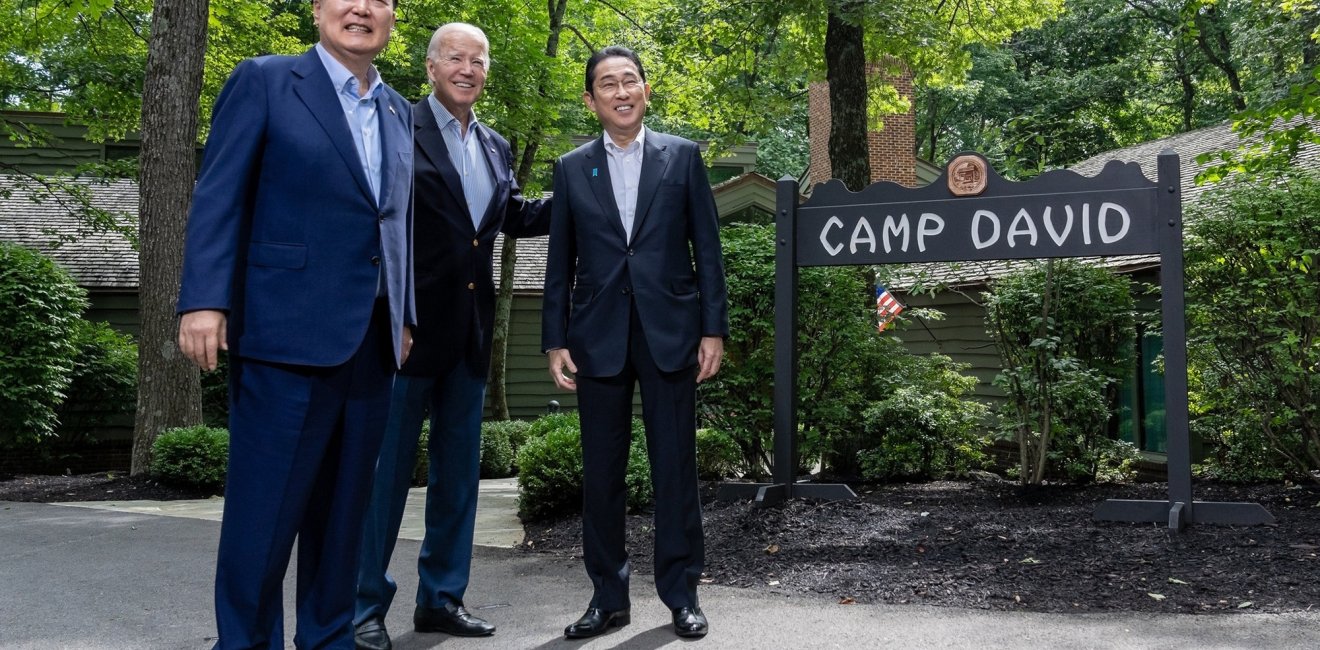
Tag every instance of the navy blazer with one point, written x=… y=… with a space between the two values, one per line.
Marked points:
x=672 y=269
x=284 y=234
x=455 y=289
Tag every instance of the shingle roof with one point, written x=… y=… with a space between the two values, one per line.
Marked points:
x=1187 y=145
x=529 y=271
x=95 y=260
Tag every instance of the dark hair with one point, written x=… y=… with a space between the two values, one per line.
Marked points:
x=605 y=53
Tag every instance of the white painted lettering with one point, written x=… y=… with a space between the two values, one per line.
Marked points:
x=896 y=227
x=930 y=224
x=1022 y=226
x=833 y=222
x=857 y=238
x=1058 y=237
x=976 y=229
x=1101 y=223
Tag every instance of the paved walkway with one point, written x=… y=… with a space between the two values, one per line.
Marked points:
x=139 y=575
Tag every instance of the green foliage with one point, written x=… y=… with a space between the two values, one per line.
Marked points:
x=195 y=456
x=927 y=429
x=103 y=385
x=550 y=469
x=497 y=453
x=515 y=431
x=842 y=362
x=1253 y=305
x=422 y=465
x=1063 y=330
x=39 y=306
x=718 y=456
x=215 y=393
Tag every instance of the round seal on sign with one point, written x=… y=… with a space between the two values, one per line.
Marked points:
x=967 y=176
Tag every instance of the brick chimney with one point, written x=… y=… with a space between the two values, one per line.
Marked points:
x=892 y=150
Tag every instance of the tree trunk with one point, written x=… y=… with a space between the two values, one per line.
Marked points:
x=169 y=392
x=1212 y=37
x=845 y=70
x=499 y=353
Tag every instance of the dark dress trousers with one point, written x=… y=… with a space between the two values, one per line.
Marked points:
x=446 y=371
x=287 y=238
x=633 y=312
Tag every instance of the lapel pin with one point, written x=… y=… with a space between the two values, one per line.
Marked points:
x=593 y=171
x=392 y=110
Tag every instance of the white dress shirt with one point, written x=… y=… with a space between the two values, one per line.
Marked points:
x=625 y=173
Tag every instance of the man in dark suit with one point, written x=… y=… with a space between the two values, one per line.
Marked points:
x=297 y=262
x=466 y=194
x=635 y=294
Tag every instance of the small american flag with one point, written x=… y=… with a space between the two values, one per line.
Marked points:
x=887 y=307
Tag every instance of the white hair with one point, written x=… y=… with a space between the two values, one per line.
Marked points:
x=449 y=28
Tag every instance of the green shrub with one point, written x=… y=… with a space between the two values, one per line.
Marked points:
x=195 y=456
x=215 y=393
x=1063 y=331
x=718 y=456
x=422 y=466
x=103 y=386
x=496 y=452
x=39 y=308
x=550 y=469
x=515 y=431
x=1253 y=313
x=925 y=430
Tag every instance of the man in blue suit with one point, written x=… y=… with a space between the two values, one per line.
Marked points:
x=635 y=295
x=466 y=194
x=298 y=262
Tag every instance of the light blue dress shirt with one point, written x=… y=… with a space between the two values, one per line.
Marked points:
x=469 y=157
x=361 y=111
x=625 y=174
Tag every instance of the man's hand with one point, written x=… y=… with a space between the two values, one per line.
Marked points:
x=407 y=345
x=709 y=356
x=201 y=336
x=560 y=361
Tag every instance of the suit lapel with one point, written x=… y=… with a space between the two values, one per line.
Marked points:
x=655 y=163
x=596 y=168
x=432 y=144
x=394 y=117
x=314 y=88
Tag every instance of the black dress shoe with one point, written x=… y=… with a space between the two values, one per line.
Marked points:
x=450 y=619
x=596 y=621
x=371 y=635
x=690 y=622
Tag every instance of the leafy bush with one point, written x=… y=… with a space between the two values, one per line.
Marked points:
x=192 y=456
x=550 y=468
x=215 y=393
x=103 y=386
x=1253 y=307
x=515 y=432
x=718 y=456
x=496 y=452
x=842 y=364
x=422 y=465
x=39 y=307
x=927 y=429
x=1062 y=329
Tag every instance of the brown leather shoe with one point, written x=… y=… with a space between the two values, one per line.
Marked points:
x=451 y=619
x=690 y=622
x=596 y=621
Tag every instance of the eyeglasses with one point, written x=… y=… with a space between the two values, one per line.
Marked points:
x=630 y=84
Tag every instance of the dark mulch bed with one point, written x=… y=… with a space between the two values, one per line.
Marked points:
x=102 y=486
x=996 y=546
x=980 y=545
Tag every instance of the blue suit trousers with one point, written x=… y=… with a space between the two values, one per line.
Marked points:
x=455 y=403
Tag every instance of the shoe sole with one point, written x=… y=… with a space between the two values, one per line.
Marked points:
x=430 y=630
x=617 y=621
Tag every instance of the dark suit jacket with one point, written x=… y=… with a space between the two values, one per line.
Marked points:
x=284 y=233
x=455 y=290
x=672 y=269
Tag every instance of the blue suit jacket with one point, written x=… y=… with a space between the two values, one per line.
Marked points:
x=284 y=233
x=671 y=268
x=455 y=290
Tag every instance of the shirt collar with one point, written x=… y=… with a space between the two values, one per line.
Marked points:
x=443 y=118
x=634 y=146
x=343 y=80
